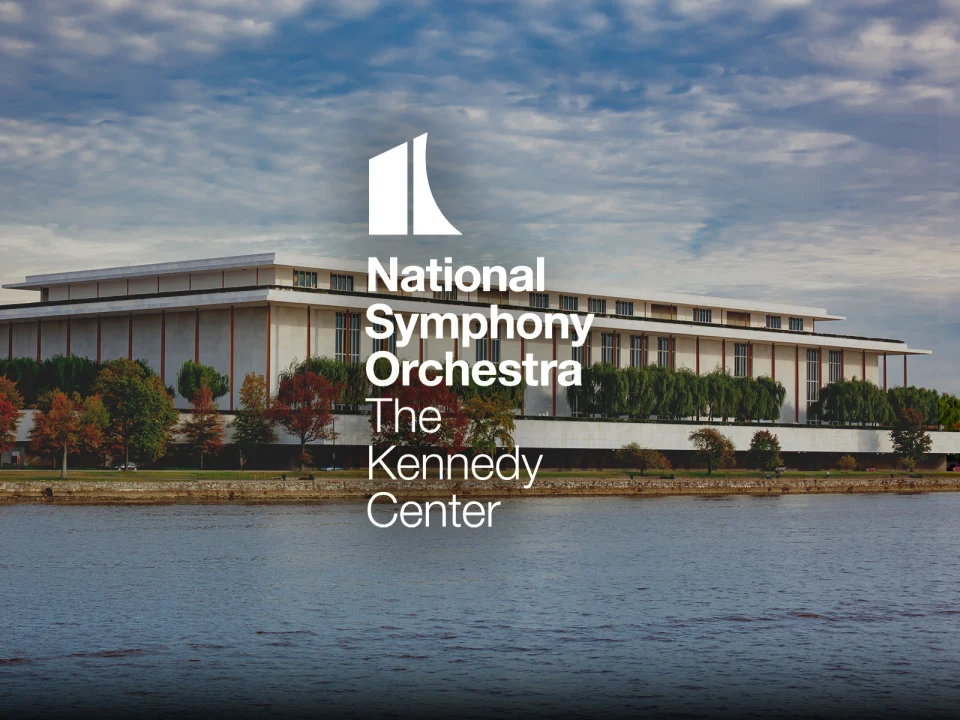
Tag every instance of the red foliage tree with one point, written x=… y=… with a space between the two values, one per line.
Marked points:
x=204 y=431
x=454 y=422
x=63 y=424
x=10 y=403
x=302 y=408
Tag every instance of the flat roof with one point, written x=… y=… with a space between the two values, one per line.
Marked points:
x=269 y=259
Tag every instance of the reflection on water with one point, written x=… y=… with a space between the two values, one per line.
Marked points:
x=794 y=605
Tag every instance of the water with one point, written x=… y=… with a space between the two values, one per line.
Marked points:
x=812 y=605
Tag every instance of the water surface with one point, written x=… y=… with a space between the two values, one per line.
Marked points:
x=804 y=605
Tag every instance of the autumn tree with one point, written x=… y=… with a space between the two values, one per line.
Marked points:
x=204 y=431
x=764 y=452
x=141 y=411
x=302 y=408
x=453 y=426
x=10 y=403
x=64 y=424
x=252 y=429
x=635 y=456
x=492 y=422
x=910 y=440
x=713 y=447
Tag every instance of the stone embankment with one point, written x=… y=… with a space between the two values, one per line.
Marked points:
x=320 y=488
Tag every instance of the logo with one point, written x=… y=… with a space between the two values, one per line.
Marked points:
x=387 y=214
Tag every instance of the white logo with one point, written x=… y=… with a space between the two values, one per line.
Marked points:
x=387 y=214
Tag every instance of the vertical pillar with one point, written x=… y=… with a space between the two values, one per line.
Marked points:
x=309 y=313
x=523 y=356
x=723 y=355
x=130 y=337
x=773 y=361
x=269 y=383
x=843 y=364
x=163 y=345
x=68 y=337
x=698 y=356
x=884 y=371
x=749 y=359
x=673 y=352
x=99 y=336
x=10 y=341
x=796 y=404
x=863 y=364
x=904 y=370
x=39 y=335
x=196 y=337
x=232 y=318
x=819 y=370
x=346 y=335
x=554 y=375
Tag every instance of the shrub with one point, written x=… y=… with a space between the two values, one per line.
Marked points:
x=847 y=463
x=764 y=452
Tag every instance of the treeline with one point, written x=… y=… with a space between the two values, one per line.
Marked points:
x=860 y=402
x=666 y=392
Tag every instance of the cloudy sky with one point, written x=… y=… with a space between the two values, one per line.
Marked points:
x=772 y=149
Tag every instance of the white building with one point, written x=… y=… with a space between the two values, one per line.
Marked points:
x=260 y=312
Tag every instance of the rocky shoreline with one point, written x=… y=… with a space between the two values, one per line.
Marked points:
x=320 y=489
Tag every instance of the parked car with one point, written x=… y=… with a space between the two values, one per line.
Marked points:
x=954 y=468
x=332 y=468
x=126 y=466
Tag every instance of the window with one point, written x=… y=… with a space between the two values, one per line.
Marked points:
x=609 y=343
x=539 y=300
x=338 y=282
x=624 y=307
x=597 y=305
x=304 y=279
x=796 y=324
x=665 y=351
x=836 y=365
x=663 y=312
x=446 y=294
x=741 y=360
x=773 y=322
x=584 y=353
x=638 y=351
x=568 y=302
x=488 y=348
x=813 y=377
x=702 y=315
x=347 y=343
x=738 y=319
x=389 y=344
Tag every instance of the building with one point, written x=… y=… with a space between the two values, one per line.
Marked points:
x=261 y=312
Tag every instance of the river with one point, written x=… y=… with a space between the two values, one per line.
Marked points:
x=794 y=605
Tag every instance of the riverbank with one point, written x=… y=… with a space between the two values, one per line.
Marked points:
x=173 y=487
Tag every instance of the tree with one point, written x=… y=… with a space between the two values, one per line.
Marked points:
x=910 y=441
x=714 y=448
x=252 y=430
x=64 y=424
x=10 y=403
x=204 y=431
x=764 y=452
x=491 y=422
x=454 y=423
x=141 y=411
x=847 y=463
x=641 y=458
x=303 y=408
x=924 y=401
x=949 y=412
x=193 y=376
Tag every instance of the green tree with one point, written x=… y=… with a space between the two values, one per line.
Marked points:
x=141 y=411
x=491 y=423
x=949 y=415
x=193 y=376
x=924 y=401
x=641 y=458
x=910 y=440
x=764 y=452
x=713 y=448
x=252 y=430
